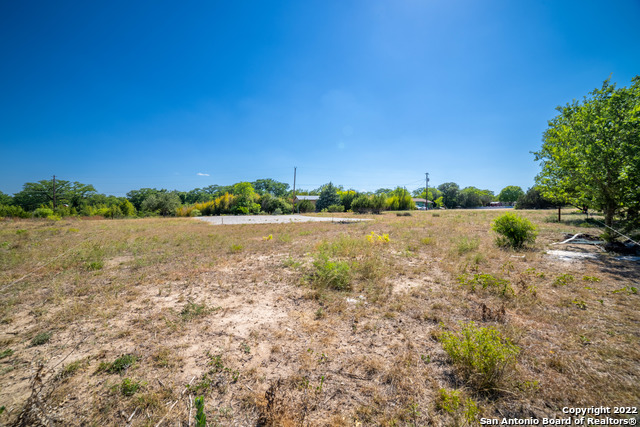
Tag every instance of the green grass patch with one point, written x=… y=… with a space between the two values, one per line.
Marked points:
x=40 y=339
x=119 y=365
x=486 y=281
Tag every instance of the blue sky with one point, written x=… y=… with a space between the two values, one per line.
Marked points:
x=367 y=94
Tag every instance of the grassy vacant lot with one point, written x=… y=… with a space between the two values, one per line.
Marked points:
x=116 y=322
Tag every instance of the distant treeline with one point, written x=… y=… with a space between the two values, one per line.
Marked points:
x=49 y=199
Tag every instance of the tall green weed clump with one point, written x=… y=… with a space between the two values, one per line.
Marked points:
x=514 y=231
x=482 y=355
x=331 y=274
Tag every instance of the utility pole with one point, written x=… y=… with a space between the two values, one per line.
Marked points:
x=294 y=189
x=426 y=192
x=54 y=191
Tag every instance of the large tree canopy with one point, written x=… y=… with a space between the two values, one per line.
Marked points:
x=510 y=194
x=590 y=155
x=35 y=194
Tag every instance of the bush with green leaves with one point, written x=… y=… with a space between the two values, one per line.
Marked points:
x=482 y=355
x=361 y=204
x=331 y=274
x=305 y=206
x=43 y=213
x=514 y=231
x=335 y=208
x=8 y=211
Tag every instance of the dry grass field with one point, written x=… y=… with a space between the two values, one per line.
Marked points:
x=126 y=322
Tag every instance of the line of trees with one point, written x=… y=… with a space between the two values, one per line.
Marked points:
x=65 y=198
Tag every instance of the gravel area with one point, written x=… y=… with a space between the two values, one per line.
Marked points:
x=272 y=219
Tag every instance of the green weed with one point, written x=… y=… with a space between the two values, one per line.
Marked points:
x=465 y=244
x=192 y=310
x=580 y=304
x=69 y=370
x=236 y=248
x=563 y=280
x=40 y=339
x=6 y=353
x=631 y=290
x=487 y=281
x=331 y=274
x=93 y=266
x=427 y=241
x=119 y=365
x=481 y=354
x=129 y=387
x=448 y=401
x=201 y=418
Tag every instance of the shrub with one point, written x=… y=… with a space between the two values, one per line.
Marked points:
x=336 y=208
x=13 y=212
x=481 y=354
x=305 y=206
x=331 y=274
x=361 y=204
x=42 y=213
x=378 y=203
x=195 y=212
x=514 y=231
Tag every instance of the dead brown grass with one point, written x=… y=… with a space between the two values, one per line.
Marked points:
x=175 y=292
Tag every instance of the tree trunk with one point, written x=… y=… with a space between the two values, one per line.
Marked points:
x=559 y=213
x=609 y=212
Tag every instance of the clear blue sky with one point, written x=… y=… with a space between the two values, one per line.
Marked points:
x=367 y=94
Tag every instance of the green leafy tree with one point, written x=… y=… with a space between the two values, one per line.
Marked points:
x=35 y=194
x=268 y=185
x=127 y=208
x=164 y=204
x=385 y=191
x=5 y=199
x=136 y=197
x=590 y=156
x=245 y=197
x=533 y=199
x=218 y=190
x=347 y=198
x=450 y=194
x=432 y=194
x=328 y=196
x=469 y=197
x=510 y=194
